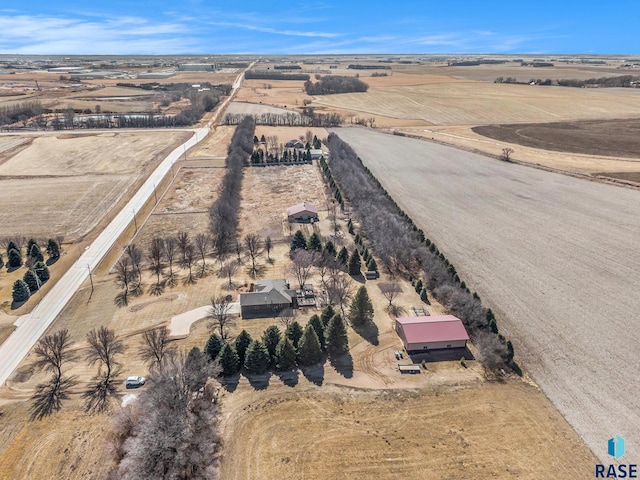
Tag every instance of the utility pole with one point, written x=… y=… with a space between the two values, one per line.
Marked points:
x=134 y=219
x=91 y=280
x=155 y=194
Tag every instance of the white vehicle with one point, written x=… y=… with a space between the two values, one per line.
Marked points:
x=135 y=382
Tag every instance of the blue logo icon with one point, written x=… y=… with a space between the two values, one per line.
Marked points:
x=615 y=447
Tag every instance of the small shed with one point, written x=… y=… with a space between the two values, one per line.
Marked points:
x=423 y=333
x=316 y=153
x=371 y=275
x=302 y=212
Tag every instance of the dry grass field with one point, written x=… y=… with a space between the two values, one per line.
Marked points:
x=555 y=257
x=245 y=108
x=486 y=430
x=64 y=184
x=477 y=103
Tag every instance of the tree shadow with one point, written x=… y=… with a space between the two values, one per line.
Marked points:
x=122 y=299
x=257 y=272
x=358 y=278
x=516 y=368
x=314 y=373
x=231 y=382
x=288 y=377
x=12 y=269
x=49 y=396
x=258 y=382
x=15 y=305
x=442 y=355
x=156 y=289
x=369 y=332
x=343 y=364
x=50 y=261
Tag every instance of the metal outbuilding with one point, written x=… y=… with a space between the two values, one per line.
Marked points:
x=423 y=333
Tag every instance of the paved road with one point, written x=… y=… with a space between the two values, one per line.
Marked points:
x=30 y=327
x=558 y=259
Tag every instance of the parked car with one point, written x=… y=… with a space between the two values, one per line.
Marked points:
x=397 y=354
x=135 y=382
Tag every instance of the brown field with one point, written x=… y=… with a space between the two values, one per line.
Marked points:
x=554 y=256
x=477 y=103
x=615 y=138
x=283 y=93
x=488 y=430
x=83 y=176
x=245 y=108
x=215 y=145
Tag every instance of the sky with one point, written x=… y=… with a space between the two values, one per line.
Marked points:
x=119 y=27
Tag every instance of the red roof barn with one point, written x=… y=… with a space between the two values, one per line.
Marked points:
x=431 y=333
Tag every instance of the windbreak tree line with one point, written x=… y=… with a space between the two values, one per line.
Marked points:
x=223 y=213
x=403 y=249
x=330 y=84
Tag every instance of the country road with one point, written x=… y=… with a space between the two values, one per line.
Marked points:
x=556 y=257
x=30 y=327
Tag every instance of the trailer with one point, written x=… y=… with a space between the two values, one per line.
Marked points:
x=413 y=368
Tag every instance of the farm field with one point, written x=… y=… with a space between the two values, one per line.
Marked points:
x=83 y=176
x=615 y=138
x=433 y=433
x=474 y=103
x=554 y=256
x=245 y=108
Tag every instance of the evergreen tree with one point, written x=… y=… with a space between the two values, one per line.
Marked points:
x=372 y=266
x=315 y=243
x=213 y=346
x=1 y=261
x=42 y=271
x=309 y=351
x=14 y=258
x=361 y=308
x=294 y=332
x=423 y=296
x=336 y=336
x=13 y=246
x=53 y=248
x=262 y=139
x=343 y=255
x=255 y=140
x=31 y=280
x=285 y=355
x=30 y=244
x=20 y=291
x=326 y=315
x=229 y=361
x=510 y=351
x=242 y=343
x=354 y=263
x=330 y=249
x=317 y=325
x=493 y=325
x=358 y=239
x=365 y=255
x=298 y=241
x=36 y=253
x=418 y=285
x=271 y=337
x=257 y=359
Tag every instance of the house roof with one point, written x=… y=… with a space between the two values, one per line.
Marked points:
x=294 y=143
x=302 y=207
x=425 y=329
x=267 y=292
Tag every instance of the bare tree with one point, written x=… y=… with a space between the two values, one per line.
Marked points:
x=301 y=263
x=155 y=346
x=155 y=264
x=333 y=215
x=219 y=315
x=104 y=345
x=253 y=243
x=202 y=242
x=390 y=290
x=238 y=249
x=183 y=240
x=169 y=252
x=51 y=352
x=506 y=154
x=228 y=270
x=125 y=279
x=339 y=290
x=268 y=246
x=135 y=255
x=189 y=259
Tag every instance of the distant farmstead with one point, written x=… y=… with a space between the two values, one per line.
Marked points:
x=303 y=212
x=295 y=143
x=425 y=333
